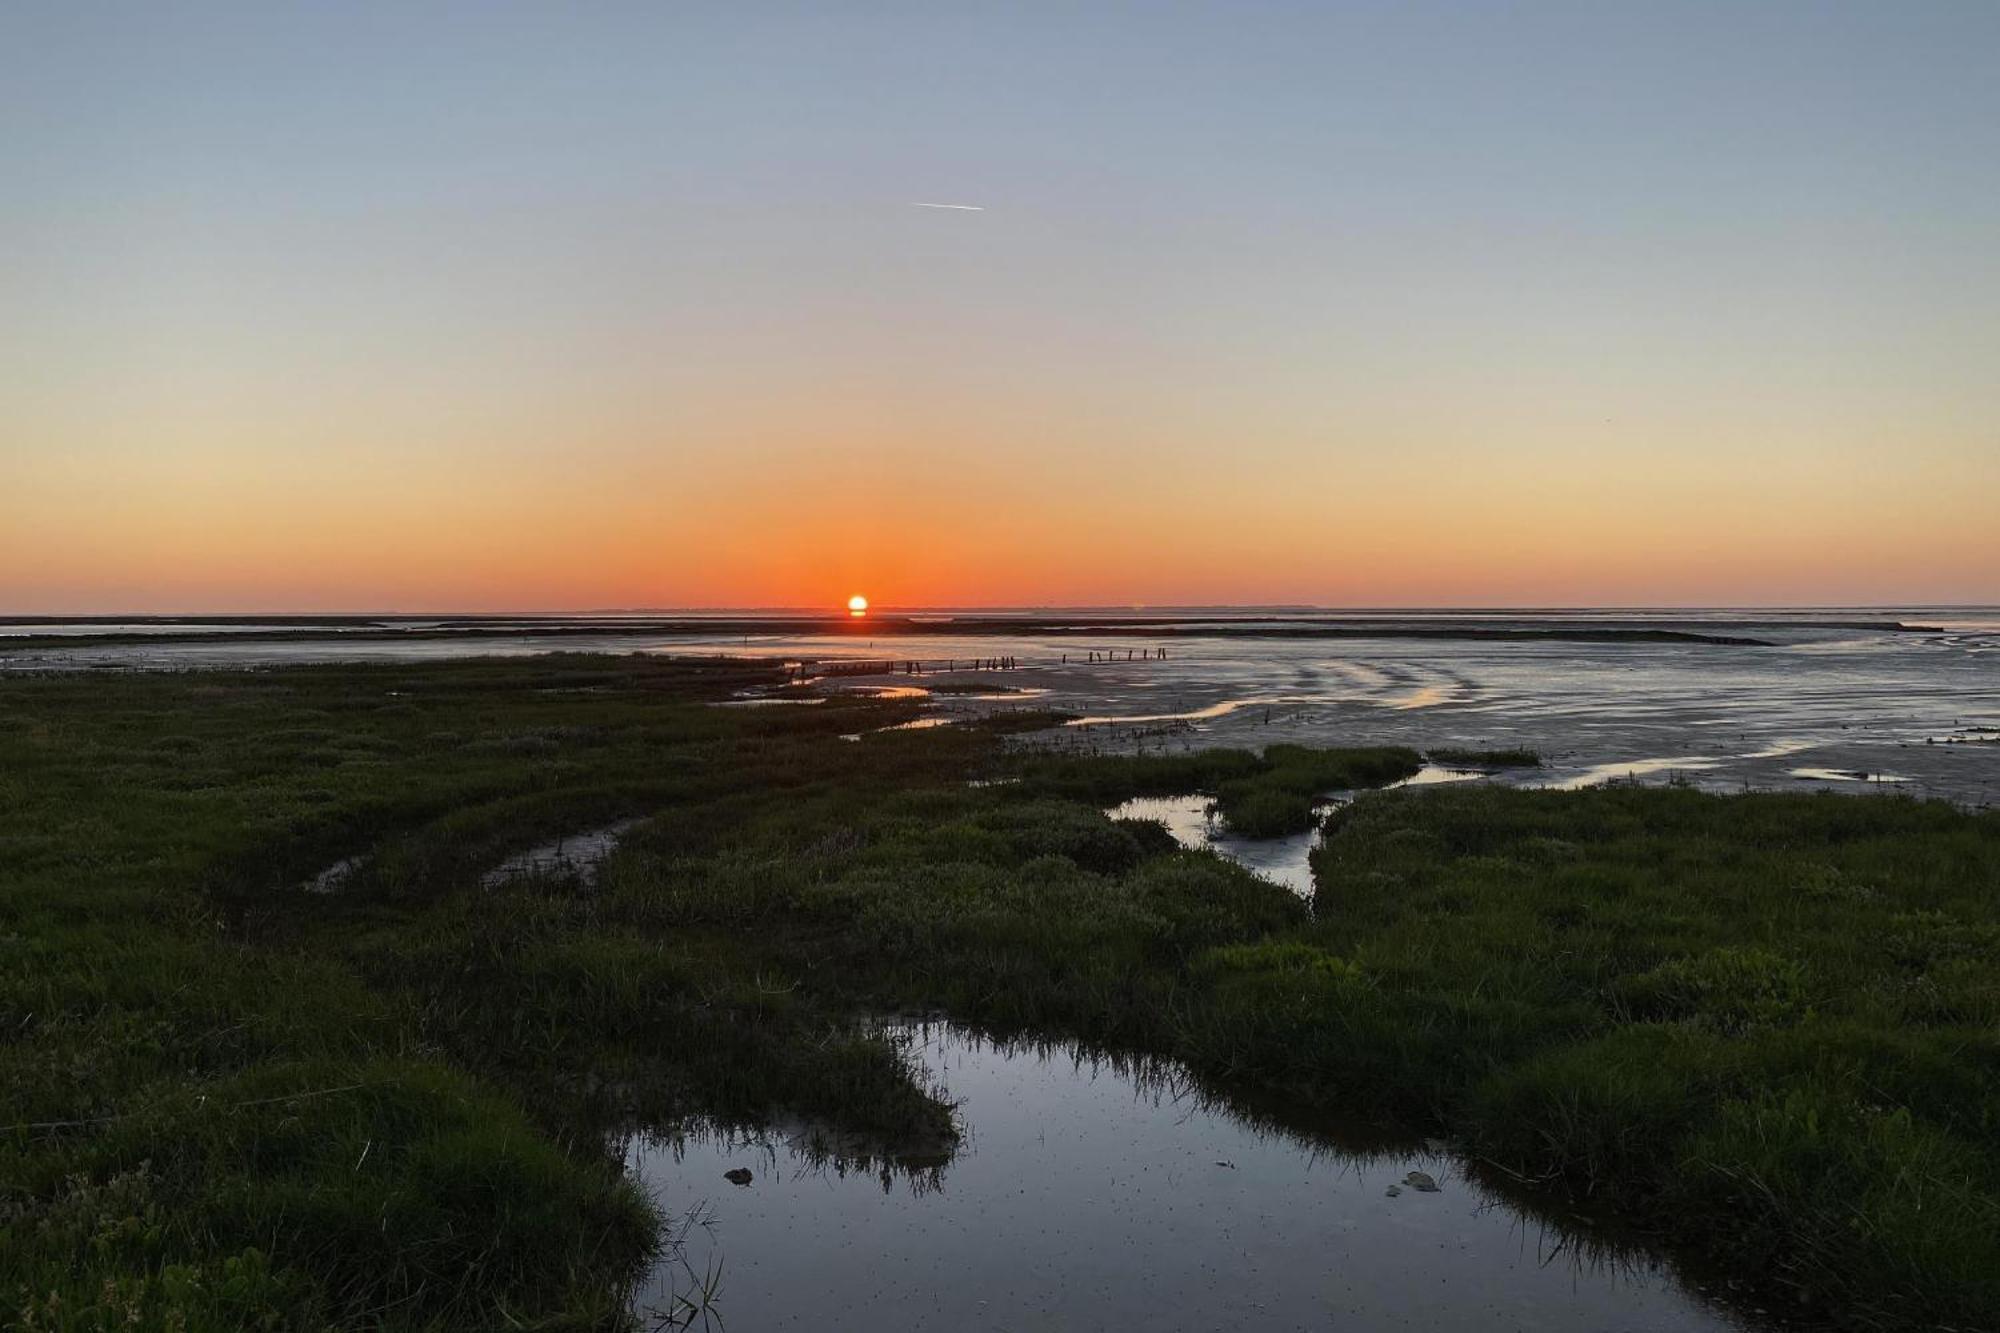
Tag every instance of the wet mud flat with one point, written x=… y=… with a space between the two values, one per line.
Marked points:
x=1090 y=1193
x=1850 y=705
x=1912 y=714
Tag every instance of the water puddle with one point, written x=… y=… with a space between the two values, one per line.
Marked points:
x=1215 y=710
x=1779 y=749
x=998 y=695
x=915 y=724
x=1843 y=775
x=1420 y=697
x=1192 y=820
x=1432 y=775
x=1096 y=1194
x=334 y=878
x=577 y=854
x=1630 y=768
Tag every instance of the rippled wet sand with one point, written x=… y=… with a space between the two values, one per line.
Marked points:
x=1905 y=709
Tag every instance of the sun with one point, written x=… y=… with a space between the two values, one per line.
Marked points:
x=857 y=605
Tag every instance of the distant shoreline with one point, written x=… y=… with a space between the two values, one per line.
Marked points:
x=265 y=629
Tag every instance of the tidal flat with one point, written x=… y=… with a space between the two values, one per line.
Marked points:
x=1720 y=699
x=1638 y=1057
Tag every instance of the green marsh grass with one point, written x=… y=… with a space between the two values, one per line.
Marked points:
x=1763 y=1026
x=1515 y=758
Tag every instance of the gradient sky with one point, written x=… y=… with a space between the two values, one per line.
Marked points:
x=497 y=306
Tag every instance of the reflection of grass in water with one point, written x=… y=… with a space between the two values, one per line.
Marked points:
x=693 y=1298
x=1763 y=1024
x=1587 y=1242
x=819 y=1147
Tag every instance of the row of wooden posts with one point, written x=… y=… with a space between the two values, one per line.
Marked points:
x=905 y=666
x=1123 y=655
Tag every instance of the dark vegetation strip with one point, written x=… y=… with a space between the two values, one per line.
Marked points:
x=1764 y=1025
x=1486 y=758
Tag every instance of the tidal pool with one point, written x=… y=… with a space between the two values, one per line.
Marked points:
x=1090 y=1193
x=1285 y=860
x=919 y=724
x=1631 y=769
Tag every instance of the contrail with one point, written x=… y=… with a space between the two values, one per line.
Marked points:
x=962 y=208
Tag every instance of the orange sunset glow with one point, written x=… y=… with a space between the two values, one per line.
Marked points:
x=757 y=345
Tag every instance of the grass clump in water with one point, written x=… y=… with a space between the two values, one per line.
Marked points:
x=1458 y=758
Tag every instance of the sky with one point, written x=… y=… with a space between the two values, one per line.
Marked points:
x=499 y=306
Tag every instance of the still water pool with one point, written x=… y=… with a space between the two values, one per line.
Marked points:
x=1097 y=1194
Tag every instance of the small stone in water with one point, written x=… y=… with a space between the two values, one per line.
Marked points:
x=1393 y=1191
x=1422 y=1182
x=739 y=1176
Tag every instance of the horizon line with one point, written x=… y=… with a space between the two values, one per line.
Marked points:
x=1315 y=608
